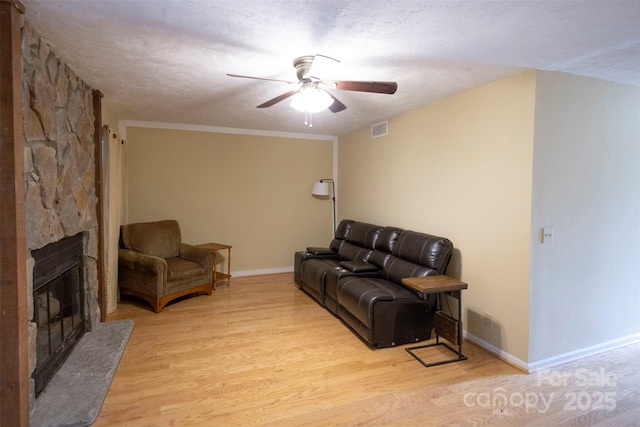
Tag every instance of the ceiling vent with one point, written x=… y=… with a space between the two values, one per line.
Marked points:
x=379 y=129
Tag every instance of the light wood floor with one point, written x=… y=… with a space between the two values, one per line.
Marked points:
x=261 y=352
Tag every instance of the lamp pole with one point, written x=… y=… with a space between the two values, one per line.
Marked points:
x=333 y=198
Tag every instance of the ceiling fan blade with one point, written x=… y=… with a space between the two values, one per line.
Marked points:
x=374 y=87
x=260 y=78
x=277 y=99
x=322 y=66
x=337 y=106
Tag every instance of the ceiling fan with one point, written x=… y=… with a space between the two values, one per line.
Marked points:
x=311 y=94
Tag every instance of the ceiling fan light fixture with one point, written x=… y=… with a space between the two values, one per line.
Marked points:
x=311 y=99
x=311 y=95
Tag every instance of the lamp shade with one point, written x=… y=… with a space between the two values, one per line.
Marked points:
x=311 y=99
x=320 y=189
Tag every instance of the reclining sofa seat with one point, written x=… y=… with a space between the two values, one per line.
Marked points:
x=359 y=280
x=381 y=310
x=330 y=254
x=357 y=246
x=376 y=262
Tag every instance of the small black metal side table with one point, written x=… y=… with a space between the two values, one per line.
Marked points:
x=446 y=326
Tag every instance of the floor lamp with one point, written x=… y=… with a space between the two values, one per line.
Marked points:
x=321 y=188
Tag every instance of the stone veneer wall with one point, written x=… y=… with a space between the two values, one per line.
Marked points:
x=59 y=167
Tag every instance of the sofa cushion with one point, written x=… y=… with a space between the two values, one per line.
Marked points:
x=335 y=245
x=384 y=245
x=350 y=252
x=388 y=238
x=363 y=234
x=425 y=249
x=340 y=235
x=160 y=239
x=313 y=270
x=359 y=295
x=343 y=229
x=178 y=269
x=397 y=269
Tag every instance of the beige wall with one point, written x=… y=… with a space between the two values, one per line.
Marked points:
x=109 y=117
x=250 y=191
x=460 y=168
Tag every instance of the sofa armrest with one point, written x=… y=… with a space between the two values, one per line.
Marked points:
x=143 y=274
x=148 y=264
x=314 y=250
x=359 y=266
x=203 y=256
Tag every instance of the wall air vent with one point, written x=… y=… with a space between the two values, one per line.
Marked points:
x=379 y=129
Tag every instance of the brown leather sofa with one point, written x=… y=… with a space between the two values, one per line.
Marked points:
x=155 y=265
x=358 y=278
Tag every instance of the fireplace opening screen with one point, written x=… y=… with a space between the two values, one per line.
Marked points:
x=58 y=299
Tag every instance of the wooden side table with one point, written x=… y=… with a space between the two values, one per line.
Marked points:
x=446 y=326
x=218 y=275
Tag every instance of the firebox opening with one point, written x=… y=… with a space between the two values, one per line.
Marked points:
x=58 y=298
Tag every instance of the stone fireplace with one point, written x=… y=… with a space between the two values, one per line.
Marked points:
x=60 y=200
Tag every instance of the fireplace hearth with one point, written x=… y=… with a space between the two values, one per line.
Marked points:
x=58 y=298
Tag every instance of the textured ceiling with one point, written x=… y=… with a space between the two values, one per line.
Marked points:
x=166 y=61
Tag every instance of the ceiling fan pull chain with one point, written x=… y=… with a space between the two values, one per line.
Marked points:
x=307 y=118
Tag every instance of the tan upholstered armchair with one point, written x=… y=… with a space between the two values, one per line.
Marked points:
x=154 y=264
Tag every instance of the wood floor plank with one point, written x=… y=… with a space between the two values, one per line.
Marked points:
x=259 y=352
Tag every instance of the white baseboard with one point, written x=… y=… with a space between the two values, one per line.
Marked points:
x=499 y=353
x=583 y=352
x=555 y=360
